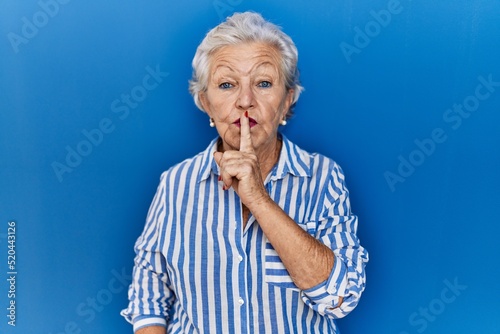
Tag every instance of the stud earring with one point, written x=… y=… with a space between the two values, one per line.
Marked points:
x=212 y=124
x=283 y=122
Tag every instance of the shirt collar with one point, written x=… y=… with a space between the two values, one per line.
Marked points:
x=293 y=160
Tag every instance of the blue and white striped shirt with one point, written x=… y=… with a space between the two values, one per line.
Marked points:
x=198 y=271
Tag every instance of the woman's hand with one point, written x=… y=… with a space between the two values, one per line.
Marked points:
x=241 y=169
x=308 y=261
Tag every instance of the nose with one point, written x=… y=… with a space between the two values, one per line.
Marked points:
x=246 y=98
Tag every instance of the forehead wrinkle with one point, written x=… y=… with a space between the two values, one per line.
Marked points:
x=265 y=66
x=218 y=67
x=263 y=51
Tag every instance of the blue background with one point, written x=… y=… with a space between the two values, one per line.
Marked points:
x=365 y=109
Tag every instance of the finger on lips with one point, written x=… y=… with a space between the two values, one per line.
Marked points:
x=246 y=144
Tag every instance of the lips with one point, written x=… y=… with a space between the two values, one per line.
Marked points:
x=252 y=122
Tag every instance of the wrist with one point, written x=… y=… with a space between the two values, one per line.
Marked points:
x=261 y=204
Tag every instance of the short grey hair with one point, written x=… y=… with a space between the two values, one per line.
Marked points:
x=245 y=28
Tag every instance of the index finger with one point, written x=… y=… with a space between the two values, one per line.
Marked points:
x=246 y=144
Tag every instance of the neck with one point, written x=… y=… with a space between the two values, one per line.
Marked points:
x=268 y=158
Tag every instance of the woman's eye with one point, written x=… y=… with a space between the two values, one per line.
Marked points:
x=265 y=84
x=225 y=85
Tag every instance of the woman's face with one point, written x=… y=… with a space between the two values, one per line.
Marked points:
x=246 y=77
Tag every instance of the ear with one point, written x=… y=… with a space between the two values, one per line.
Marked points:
x=204 y=102
x=288 y=101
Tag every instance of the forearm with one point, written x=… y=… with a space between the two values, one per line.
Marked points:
x=152 y=330
x=307 y=260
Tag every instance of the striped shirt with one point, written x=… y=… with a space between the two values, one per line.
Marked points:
x=198 y=271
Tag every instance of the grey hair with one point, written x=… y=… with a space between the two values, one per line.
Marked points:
x=244 y=28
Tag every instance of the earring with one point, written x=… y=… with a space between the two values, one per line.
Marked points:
x=283 y=122
x=212 y=124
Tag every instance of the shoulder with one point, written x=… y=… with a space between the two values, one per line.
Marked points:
x=183 y=169
x=191 y=169
x=323 y=174
x=316 y=164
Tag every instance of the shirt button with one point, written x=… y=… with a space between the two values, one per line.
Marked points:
x=240 y=258
x=241 y=301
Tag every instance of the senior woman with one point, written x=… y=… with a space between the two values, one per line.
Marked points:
x=252 y=235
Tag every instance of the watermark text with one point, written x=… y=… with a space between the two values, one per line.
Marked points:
x=11 y=273
x=454 y=118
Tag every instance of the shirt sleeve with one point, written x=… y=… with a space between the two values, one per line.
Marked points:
x=336 y=228
x=149 y=295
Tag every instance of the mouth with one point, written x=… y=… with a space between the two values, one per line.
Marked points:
x=251 y=121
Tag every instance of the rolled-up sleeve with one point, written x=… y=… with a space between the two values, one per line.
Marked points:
x=336 y=228
x=149 y=295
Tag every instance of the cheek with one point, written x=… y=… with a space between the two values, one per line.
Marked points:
x=219 y=107
x=276 y=107
x=222 y=113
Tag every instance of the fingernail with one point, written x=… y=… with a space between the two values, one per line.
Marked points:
x=246 y=114
x=224 y=187
x=220 y=178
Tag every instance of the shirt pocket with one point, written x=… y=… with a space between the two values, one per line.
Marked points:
x=275 y=271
